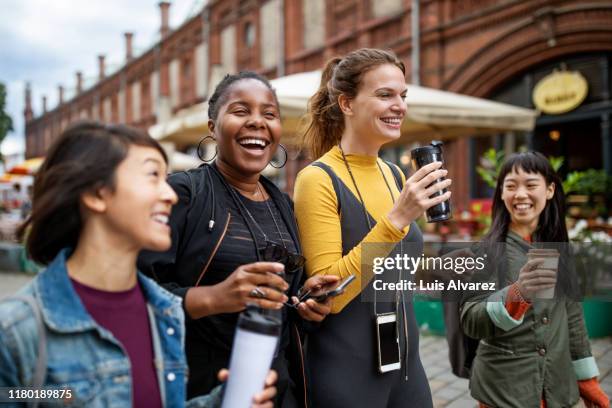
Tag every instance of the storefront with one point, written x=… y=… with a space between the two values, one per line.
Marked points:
x=571 y=126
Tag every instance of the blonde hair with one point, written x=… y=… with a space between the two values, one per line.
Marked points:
x=341 y=76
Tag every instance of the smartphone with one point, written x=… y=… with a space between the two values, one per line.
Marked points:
x=331 y=293
x=388 y=342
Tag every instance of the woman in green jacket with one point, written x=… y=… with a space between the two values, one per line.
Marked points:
x=532 y=353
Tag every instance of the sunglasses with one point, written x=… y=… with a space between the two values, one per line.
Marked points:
x=274 y=252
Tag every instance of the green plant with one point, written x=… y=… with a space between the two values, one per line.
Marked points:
x=588 y=182
x=492 y=161
x=556 y=162
x=596 y=185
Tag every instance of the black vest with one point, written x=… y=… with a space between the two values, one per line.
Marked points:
x=345 y=343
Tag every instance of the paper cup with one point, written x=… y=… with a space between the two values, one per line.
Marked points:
x=550 y=261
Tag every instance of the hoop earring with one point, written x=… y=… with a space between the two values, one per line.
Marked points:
x=201 y=153
x=279 y=166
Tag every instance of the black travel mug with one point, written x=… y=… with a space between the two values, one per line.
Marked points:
x=422 y=156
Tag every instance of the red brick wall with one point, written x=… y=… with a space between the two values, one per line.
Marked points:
x=468 y=46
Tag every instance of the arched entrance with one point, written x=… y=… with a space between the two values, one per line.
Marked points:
x=576 y=37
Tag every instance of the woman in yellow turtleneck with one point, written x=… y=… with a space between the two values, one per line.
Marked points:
x=320 y=224
x=347 y=198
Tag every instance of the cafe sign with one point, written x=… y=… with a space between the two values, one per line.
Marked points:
x=560 y=92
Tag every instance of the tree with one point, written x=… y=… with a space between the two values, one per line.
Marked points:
x=6 y=123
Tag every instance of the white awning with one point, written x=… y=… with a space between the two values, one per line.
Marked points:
x=188 y=126
x=181 y=161
x=432 y=113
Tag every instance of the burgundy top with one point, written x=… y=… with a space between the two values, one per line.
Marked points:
x=125 y=315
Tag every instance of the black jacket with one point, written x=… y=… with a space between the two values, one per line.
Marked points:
x=198 y=223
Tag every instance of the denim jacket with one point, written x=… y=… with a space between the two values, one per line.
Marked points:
x=83 y=356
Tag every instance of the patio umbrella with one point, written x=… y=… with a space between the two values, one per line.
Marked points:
x=181 y=161
x=187 y=127
x=431 y=114
x=10 y=178
x=28 y=167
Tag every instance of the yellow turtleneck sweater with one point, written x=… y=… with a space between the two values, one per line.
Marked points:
x=316 y=209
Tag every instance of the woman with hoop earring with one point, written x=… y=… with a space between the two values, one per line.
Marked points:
x=235 y=241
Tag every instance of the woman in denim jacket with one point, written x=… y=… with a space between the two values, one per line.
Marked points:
x=90 y=324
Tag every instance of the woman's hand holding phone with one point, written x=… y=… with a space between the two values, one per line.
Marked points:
x=310 y=309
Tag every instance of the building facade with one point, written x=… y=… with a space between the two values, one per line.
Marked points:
x=485 y=48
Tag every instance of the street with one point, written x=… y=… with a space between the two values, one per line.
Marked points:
x=448 y=391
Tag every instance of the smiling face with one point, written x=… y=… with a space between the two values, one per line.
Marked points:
x=139 y=207
x=525 y=196
x=379 y=108
x=248 y=127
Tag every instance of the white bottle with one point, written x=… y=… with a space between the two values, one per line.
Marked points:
x=252 y=353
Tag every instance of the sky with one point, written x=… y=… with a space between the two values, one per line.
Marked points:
x=45 y=42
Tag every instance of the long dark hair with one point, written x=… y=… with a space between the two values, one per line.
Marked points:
x=325 y=120
x=551 y=225
x=84 y=158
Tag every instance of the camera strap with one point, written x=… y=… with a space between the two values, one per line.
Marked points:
x=397 y=292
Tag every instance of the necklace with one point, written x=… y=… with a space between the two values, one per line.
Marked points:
x=280 y=235
x=246 y=210
x=248 y=194
x=348 y=168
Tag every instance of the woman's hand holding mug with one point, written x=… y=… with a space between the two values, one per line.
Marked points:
x=415 y=199
x=533 y=279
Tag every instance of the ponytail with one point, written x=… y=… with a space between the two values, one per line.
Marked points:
x=325 y=122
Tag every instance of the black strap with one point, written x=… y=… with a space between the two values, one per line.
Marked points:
x=334 y=178
x=192 y=191
x=190 y=224
x=336 y=182
x=396 y=175
x=40 y=371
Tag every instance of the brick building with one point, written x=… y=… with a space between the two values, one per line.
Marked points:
x=486 y=48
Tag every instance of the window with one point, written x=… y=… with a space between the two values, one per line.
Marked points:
x=270 y=23
x=382 y=8
x=249 y=34
x=186 y=81
x=314 y=23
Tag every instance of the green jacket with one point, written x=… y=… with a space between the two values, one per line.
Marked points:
x=519 y=362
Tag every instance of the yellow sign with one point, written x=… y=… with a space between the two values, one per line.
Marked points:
x=560 y=92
